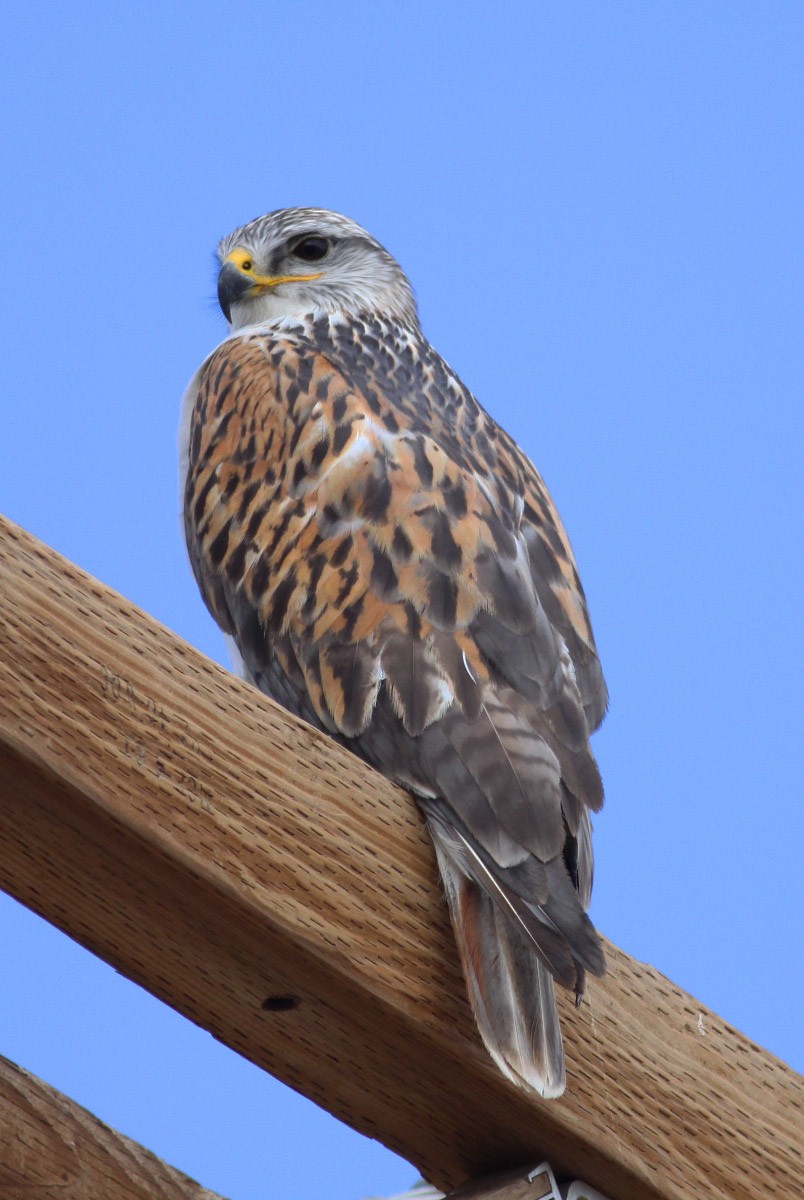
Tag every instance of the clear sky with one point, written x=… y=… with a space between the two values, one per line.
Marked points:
x=600 y=206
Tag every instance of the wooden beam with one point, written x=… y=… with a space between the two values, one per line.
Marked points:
x=50 y=1146
x=279 y=893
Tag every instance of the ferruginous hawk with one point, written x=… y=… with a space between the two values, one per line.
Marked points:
x=391 y=568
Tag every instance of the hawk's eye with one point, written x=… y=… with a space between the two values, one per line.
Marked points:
x=311 y=249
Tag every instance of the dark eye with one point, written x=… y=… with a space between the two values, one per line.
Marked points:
x=311 y=249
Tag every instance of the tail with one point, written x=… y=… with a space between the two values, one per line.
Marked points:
x=511 y=951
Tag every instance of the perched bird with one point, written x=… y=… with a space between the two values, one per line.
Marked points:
x=388 y=565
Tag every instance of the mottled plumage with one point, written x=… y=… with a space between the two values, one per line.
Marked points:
x=391 y=567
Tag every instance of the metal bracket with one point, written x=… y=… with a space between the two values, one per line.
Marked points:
x=543 y=1175
x=537 y=1184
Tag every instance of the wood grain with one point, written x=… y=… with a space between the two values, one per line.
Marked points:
x=279 y=893
x=52 y=1149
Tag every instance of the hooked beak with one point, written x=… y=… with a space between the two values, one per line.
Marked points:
x=238 y=279
x=233 y=284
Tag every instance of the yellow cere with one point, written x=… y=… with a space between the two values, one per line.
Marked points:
x=244 y=262
x=241 y=259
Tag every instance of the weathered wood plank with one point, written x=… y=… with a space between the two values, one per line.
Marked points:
x=51 y=1147
x=224 y=855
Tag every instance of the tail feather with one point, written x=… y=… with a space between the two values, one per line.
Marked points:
x=510 y=987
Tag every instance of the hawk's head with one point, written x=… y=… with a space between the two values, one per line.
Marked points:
x=302 y=260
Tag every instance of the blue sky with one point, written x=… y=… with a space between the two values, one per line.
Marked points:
x=600 y=206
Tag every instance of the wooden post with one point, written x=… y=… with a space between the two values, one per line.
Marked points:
x=279 y=893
